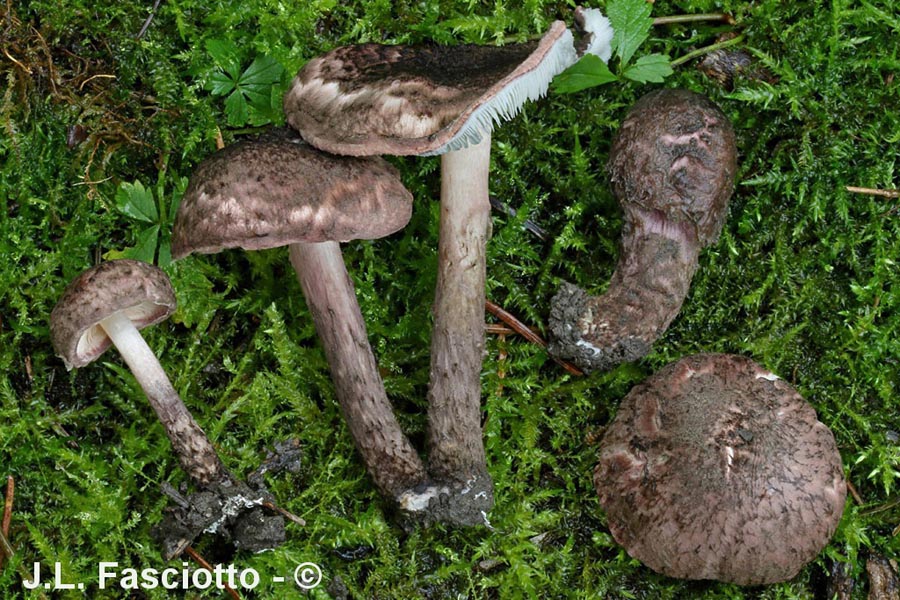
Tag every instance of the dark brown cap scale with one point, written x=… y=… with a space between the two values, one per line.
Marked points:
x=714 y=468
x=142 y=291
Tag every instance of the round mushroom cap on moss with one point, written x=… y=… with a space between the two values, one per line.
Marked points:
x=714 y=468
x=276 y=190
x=373 y=99
x=140 y=290
x=675 y=154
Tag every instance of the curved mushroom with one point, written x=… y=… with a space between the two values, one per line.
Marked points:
x=672 y=167
x=426 y=100
x=714 y=468
x=276 y=190
x=107 y=305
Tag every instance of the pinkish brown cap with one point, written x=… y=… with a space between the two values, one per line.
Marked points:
x=276 y=190
x=714 y=468
x=414 y=100
x=140 y=290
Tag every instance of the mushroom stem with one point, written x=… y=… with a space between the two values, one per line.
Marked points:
x=195 y=452
x=456 y=450
x=656 y=261
x=388 y=455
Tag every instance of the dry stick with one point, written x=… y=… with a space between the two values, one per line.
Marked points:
x=7 y=513
x=873 y=192
x=725 y=18
x=7 y=505
x=284 y=513
x=202 y=562
x=527 y=333
x=707 y=49
x=147 y=22
x=880 y=508
x=853 y=492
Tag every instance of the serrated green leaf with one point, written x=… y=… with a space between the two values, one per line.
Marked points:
x=650 y=68
x=145 y=249
x=137 y=202
x=631 y=22
x=588 y=72
x=220 y=83
x=262 y=72
x=236 y=109
x=226 y=55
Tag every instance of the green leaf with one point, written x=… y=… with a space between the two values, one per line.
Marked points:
x=135 y=201
x=236 y=109
x=631 y=22
x=144 y=250
x=262 y=72
x=650 y=68
x=226 y=55
x=588 y=72
x=220 y=83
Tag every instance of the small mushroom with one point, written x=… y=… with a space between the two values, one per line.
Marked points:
x=107 y=305
x=276 y=190
x=426 y=100
x=672 y=167
x=714 y=468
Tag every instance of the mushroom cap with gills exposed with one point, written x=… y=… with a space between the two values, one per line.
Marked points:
x=374 y=99
x=140 y=290
x=714 y=468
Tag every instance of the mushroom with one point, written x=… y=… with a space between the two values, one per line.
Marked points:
x=714 y=468
x=672 y=168
x=427 y=100
x=275 y=190
x=107 y=305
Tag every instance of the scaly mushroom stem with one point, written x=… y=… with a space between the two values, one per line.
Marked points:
x=195 y=452
x=456 y=450
x=650 y=283
x=388 y=455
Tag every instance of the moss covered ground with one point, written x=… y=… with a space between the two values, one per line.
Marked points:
x=94 y=122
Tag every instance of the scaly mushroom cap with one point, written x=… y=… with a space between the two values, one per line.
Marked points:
x=714 y=468
x=675 y=155
x=415 y=100
x=142 y=291
x=276 y=190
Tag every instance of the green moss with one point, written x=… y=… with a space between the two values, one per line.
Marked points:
x=803 y=280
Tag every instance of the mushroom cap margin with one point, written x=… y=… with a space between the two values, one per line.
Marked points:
x=143 y=291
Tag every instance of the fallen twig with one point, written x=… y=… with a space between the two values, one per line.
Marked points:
x=527 y=333
x=284 y=513
x=853 y=492
x=203 y=563
x=873 y=191
x=148 y=20
x=7 y=505
x=725 y=18
x=707 y=49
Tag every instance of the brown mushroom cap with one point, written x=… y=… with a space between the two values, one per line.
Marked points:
x=411 y=100
x=276 y=190
x=714 y=468
x=675 y=156
x=142 y=291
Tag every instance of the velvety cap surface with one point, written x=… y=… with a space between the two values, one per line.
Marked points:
x=714 y=468
x=276 y=190
x=409 y=100
x=142 y=291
